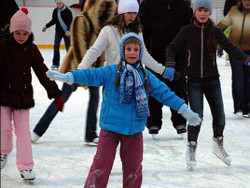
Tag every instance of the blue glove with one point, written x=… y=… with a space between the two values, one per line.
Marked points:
x=248 y=63
x=169 y=73
x=44 y=28
x=54 y=75
x=192 y=118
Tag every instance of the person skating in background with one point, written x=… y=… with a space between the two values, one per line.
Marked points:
x=124 y=111
x=201 y=39
x=79 y=5
x=227 y=6
x=62 y=18
x=239 y=19
x=110 y=37
x=18 y=55
x=7 y=10
x=162 y=20
x=85 y=29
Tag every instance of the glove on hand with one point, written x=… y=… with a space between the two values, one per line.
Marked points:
x=169 y=73
x=192 y=118
x=67 y=77
x=59 y=103
x=248 y=63
x=44 y=28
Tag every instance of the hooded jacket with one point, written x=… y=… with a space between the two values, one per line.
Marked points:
x=84 y=30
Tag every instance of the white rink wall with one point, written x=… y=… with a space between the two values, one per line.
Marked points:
x=40 y=12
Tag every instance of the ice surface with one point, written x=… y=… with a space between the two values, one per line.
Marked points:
x=62 y=160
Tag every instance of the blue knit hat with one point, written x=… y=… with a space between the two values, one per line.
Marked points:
x=202 y=3
x=124 y=39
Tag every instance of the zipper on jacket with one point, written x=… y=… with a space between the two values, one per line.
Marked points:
x=202 y=48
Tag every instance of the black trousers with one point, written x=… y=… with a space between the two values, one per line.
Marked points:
x=155 y=107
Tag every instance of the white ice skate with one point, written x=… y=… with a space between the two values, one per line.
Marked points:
x=28 y=175
x=219 y=150
x=191 y=155
x=4 y=158
x=94 y=142
x=34 y=137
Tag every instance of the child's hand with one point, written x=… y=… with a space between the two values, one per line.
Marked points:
x=44 y=28
x=192 y=118
x=54 y=75
x=67 y=33
x=59 y=103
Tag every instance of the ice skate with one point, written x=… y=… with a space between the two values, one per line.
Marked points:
x=4 y=158
x=34 y=137
x=191 y=155
x=219 y=150
x=153 y=130
x=238 y=114
x=181 y=130
x=28 y=175
x=93 y=142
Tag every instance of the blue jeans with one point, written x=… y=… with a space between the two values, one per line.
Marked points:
x=212 y=92
x=51 y=112
x=57 y=41
x=240 y=85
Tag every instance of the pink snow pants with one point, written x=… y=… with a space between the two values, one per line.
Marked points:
x=24 y=158
x=131 y=154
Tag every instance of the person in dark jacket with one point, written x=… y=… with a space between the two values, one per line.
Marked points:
x=18 y=55
x=201 y=39
x=7 y=10
x=162 y=20
x=62 y=18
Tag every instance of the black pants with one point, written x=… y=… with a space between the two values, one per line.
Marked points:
x=155 y=107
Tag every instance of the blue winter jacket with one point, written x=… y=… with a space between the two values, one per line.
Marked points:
x=122 y=118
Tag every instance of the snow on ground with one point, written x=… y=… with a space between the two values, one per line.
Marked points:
x=62 y=160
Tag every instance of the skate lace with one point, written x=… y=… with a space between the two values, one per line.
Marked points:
x=3 y=156
x=221 y=149
x=191 y=153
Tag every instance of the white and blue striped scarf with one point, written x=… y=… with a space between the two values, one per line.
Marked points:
x=131 y=83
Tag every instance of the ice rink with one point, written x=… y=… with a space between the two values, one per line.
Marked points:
x=62 y=160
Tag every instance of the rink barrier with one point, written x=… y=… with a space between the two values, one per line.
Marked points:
x=49 y=46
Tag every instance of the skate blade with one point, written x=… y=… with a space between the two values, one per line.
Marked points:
x=183 y=136
x=154 y=136
x=31 y=181
x=190 y=168
x=228 y=163
x=92 y=144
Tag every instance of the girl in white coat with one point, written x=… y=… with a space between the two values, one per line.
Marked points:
x=110 y=37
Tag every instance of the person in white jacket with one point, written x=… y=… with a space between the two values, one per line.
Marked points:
x=110 y=37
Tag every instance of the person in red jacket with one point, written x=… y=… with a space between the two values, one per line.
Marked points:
x=18 y=55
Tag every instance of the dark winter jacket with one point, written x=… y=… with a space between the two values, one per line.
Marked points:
x=201 y=64
x=66 y=16
x=162 y=20
x=16 y=60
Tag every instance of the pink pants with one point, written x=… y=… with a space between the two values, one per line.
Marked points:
x=131 y=154
x=24 y=158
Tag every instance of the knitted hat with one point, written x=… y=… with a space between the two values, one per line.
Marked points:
x=124 y=39
x=128 y=6
x=59 y=1
x=20 y=21
x=202 y=3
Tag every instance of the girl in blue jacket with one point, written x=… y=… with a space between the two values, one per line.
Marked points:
x=124 y=111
